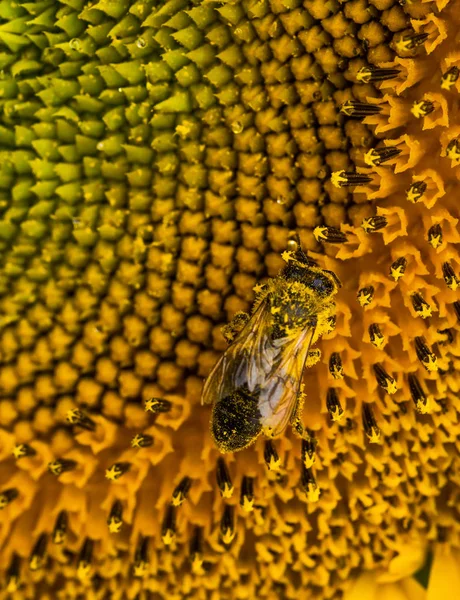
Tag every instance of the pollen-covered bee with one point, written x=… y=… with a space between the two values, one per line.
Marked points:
x=256 y=385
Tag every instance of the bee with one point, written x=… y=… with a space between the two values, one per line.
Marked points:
x=255 y=387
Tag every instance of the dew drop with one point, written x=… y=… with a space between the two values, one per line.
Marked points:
x=75 y=44
x=237 y=127
x=141 y=43
x=100 y=146
x=280 y=199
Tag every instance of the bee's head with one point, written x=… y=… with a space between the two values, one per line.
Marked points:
x=306 y=270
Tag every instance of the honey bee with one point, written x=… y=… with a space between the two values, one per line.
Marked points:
x=255 y=387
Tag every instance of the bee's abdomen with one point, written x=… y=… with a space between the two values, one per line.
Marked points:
x=236 y=421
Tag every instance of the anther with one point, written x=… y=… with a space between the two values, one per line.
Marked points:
x=247 y=494
x=117 y=470
x=368 y=74
x=60 y=528
x=7 y=496
x=333 y=405
x=84 y=560
x=78 y=417
x=450 y=278
x=409 y=42
x=449 y=78
x=141 y=559
x=343 y=179
x=61 y=465
x=435 y=236
x=12 y=574
x=448 y=339
x=418 y=395
x=365 y=295
x=425 y=355
x=37 y=556
x=373 y=224
x=371 y=428
x=196 y=549
x=398 y=268
x=309 y=450
x=453 y=149
x=332 y=235
x=331 y=322
x=272 y=460
x=359 y=110
x=181 y=490
x=158 y=405
x=142 y=440
x=168 y=527
x=115 y=520
x=376 y=336
x=335 y=366
x=415 y=191
x=376 y=156
x=223 y=479
x=309 y=485
x=421 y=307
x=386 y=381
x=22 y=450
x=422 y=108
x=227 y=525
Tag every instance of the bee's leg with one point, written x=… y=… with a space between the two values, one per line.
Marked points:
x=232 y=329
x=308 y=440
x=313 y=357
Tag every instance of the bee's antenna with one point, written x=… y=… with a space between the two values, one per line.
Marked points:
x=334 y=277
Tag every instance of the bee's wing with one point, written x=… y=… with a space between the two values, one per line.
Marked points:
x=272 y=369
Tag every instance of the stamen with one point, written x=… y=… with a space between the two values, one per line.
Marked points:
x=409 y=42
x=371 y=428
x=333 y=405
x=247 y=494
x=7 y=496
x=272 y=460
x=332 y=235
x=309 y=450
x=373 y=224
x=421 y=307
x=168 y=527
x=376 y=336
x=37 y=556
x=60 y=528
x=453 y=149
x=416 y=190
x=425 y=355
x=386 y=381
x=158 y=405
x=22 y=450
x=227 y=526
x=422 y=108
x=368 y=74
x=196 y=549
x=418 y=395
x=331 y=322
x=141 y=559
x=309 y=485
x=398 y=268
x=376 y=156
x=115 y=520
x=449 y=337
x=142 y=440
x=223 y=479
x=61 y=465
x=450 y=278
x=117 y=470
x=335 y=366
x=365 y=295
x=181 y=491
x=84 y=560
x=359 y=110
x=12 y=574
x=78 y=417
x=456 y=306
x=341 y=179
x=449 y=78
x=435 y=236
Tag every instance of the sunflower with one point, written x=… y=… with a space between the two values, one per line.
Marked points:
x=156 y=160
